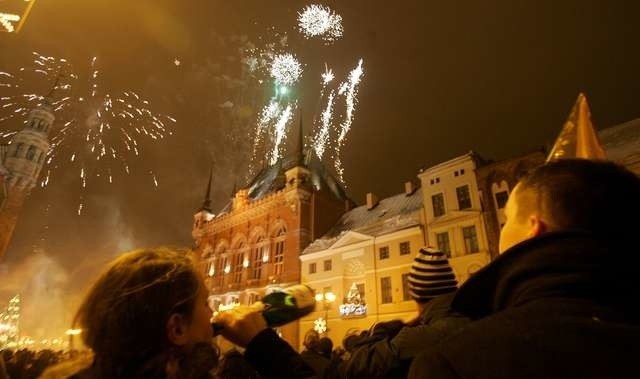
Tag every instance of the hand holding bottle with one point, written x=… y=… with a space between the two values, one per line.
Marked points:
x=241 y=324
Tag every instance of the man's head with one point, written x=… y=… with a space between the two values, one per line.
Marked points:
x=573 y=194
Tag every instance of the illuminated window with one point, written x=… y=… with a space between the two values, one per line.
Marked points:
x=238 y=259
x=312 y=268
x=278 y=257
x=327 y=265
x=257 y=261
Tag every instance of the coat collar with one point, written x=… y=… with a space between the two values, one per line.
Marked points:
x=567 y=264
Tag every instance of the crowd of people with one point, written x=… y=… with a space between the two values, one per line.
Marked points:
x=28 y=364
x=558 y=302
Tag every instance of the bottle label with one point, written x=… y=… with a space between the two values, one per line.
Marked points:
x=303 y=296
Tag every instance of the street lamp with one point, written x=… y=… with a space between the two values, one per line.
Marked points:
x=326 y=298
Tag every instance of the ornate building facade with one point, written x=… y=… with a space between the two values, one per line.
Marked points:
x=363 y=264
x=252 y=247
x=20 y=164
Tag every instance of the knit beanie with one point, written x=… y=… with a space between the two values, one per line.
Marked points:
x=430 y=275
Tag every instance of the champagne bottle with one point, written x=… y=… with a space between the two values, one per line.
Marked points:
x=283 y=307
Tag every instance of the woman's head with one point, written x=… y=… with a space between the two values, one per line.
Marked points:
x=147 y=303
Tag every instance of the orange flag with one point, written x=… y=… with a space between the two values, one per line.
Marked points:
x=578 y=138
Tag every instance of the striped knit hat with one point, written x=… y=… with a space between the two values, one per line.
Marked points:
x=430 y=275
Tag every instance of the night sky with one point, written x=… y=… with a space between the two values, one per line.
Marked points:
x=441 y=78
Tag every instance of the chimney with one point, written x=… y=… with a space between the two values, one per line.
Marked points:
x=372 y=201
x=409 y=188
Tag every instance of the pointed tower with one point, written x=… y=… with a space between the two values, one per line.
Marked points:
x=205 y=214
x=299 y=174
x=22 y=161
x=578 y=138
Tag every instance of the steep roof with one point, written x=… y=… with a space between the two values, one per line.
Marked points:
x=272 y=178
x=391 y=214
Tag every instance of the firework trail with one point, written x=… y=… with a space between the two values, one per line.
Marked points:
x=320 y=21
x=322 y=137
x=97 y=132
x=350 y=90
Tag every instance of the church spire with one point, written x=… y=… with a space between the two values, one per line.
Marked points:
x=206 y=205
x=300 y=144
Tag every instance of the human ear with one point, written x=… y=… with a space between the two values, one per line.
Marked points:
x=177 y=330
x=537 y=226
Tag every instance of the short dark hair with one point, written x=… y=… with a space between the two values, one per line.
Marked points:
x=588 y=195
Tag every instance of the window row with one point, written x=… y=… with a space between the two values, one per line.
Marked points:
x=464 y=201
x=327 y=265
x=386 y=289
x=404 y=247
x=469 y=235
x=255 y=262
x=32 y=152
x=456 y=173
x=39 y=124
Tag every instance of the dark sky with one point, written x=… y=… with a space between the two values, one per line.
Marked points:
x=441 y=78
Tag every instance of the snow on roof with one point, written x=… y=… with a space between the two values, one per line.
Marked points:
x=393 y=213
x=622 y=140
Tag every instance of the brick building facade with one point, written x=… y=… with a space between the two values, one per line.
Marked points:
x=253 y=246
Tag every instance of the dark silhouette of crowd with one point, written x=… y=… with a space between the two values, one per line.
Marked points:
x=25 y=363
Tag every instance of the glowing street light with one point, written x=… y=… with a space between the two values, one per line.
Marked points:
x=326 y=299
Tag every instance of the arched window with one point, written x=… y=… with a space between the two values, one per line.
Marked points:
x=19 y=148
x=258 y=258
x=278 y=249
x=238 y=259
x=31 y=152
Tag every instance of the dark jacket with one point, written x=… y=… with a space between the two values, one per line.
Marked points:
x=275 y=358
x=316 y=361
x=389 y=356
x=562 y=305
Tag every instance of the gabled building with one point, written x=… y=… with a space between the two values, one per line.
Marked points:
x=453 y=212
x=252 y=246
x=362 y=263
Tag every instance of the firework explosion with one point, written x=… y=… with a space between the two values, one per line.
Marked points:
x=285 y=69
x=320 y=21
x=276 y=65
x=97 y=132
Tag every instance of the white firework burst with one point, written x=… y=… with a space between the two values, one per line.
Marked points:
x=320 y=21
x=93 y=133
x=286 y=69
